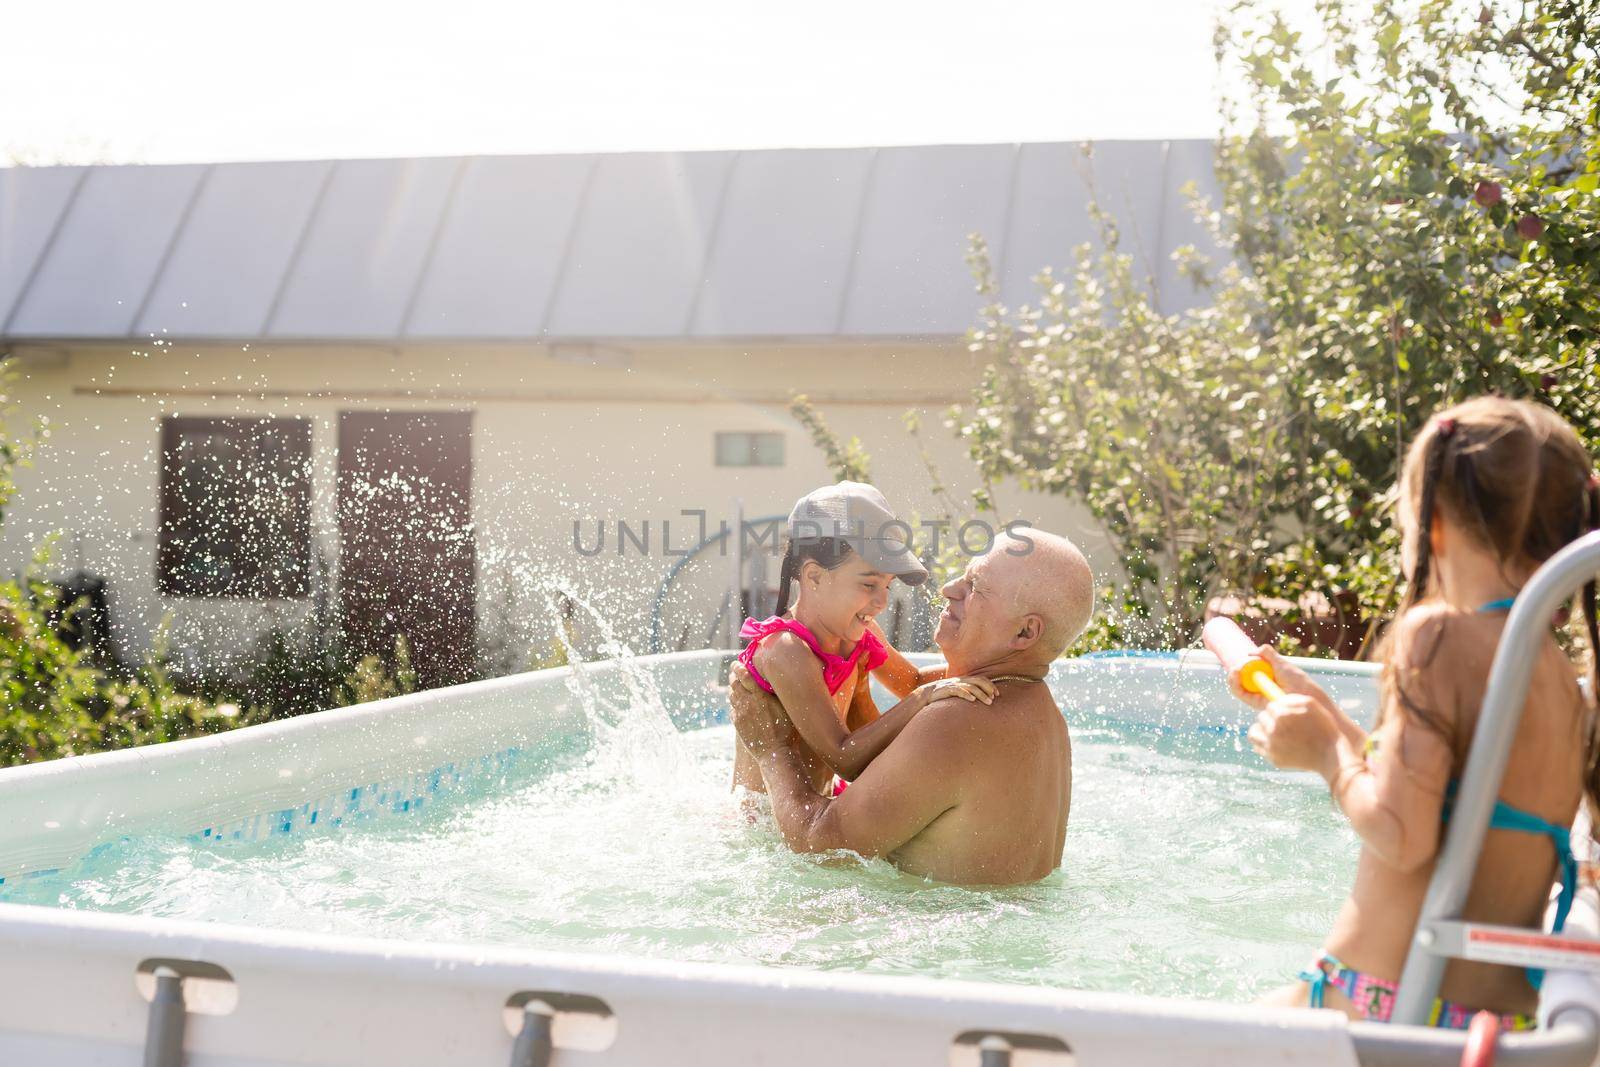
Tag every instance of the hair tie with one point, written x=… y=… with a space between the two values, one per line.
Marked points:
x=1447 y=427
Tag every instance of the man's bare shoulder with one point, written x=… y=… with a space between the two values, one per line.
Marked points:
x=944 y=728
x=1014 y=709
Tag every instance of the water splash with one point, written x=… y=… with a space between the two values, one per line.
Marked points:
x=634 y=738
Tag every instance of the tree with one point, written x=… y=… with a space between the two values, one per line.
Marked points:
x=1410 y=207
x=1097 y=396
x=1425 y=229
x=845 y=458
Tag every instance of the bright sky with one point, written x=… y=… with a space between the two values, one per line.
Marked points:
x=195 y=80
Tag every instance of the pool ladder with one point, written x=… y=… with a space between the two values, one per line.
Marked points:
x=1573 y=1032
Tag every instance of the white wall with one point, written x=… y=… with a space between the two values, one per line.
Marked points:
x=555 y=439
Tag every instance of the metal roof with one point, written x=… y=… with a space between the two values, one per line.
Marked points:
x=802 y=243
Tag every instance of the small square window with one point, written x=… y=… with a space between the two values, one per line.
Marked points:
x=749 y=449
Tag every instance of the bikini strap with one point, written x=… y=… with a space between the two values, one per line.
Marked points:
x=1508 y=818
x=1505 y=817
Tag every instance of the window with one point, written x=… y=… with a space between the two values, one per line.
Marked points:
x=235 y=508
x=749 y=449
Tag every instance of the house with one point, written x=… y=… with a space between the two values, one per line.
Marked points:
x=412 y=392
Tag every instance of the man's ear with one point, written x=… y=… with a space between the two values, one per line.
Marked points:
x=1031 y=630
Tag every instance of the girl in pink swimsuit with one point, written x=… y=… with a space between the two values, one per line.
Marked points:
x=816 y=658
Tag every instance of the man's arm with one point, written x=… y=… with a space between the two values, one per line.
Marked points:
x=914 y=781
x=791 y=669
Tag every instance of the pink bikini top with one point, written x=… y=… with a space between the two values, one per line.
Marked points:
x=836 y=670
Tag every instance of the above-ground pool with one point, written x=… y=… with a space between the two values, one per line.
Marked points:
x=1192 y=869
x=387 y=883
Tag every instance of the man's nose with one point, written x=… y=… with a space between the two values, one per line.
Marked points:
x=950 y=589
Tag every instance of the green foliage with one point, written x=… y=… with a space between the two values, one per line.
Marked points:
x=371 y=679
x=846 y=459
x=54 y=702
x=1097 y=396
x=290 y=672
x=310 y=668
x=1411 y=209
x=51 y=697
x=1427 y=230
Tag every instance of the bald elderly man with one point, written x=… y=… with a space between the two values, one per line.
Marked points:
x=968 y=793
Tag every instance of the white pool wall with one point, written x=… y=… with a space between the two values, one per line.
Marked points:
x=339 y=1002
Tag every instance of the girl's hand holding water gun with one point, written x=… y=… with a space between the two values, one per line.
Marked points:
x=1298 y=725
x=1296 y=732
x=1291 y=679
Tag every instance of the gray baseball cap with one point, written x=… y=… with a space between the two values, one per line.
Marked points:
x=857 y=513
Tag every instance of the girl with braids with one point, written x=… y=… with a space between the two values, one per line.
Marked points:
x=1491 y=489
x=843 y=551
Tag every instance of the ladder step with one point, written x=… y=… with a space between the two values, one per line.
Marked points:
x=1511 y=945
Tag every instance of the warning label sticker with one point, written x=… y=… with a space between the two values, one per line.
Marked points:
x=1497 y=945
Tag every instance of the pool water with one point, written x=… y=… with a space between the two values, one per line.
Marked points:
x=1192 y=870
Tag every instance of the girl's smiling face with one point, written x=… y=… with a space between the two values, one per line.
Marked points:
x=845 y=599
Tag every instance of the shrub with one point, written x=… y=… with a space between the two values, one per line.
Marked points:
x=371 y=678
x=1165 y=427
x=1427 y=230
x=55 y=702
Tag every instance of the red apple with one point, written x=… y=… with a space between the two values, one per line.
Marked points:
x=1529 y=227
x=1487 y=194
x=1496 y=319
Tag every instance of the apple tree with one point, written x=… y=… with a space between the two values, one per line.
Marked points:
x=1410 y=200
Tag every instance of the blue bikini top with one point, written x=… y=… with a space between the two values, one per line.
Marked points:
x=1506 y=817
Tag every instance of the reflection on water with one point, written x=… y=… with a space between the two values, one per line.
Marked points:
x=1191 y=871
